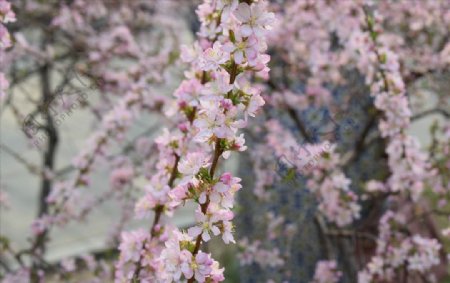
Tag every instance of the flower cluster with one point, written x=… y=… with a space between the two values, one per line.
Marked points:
x=409 y=166
x=177 y=261
x=133 y=86
x=410 y=169
x=254 y=253
x=261 y=252
x=331 y=187
x=318 y=51
x=397 y=250
x=210 y=106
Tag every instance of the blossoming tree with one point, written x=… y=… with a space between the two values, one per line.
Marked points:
x=344 y=78
x=326 y=135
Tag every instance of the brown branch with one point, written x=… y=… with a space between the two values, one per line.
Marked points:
x=360 y=144
x=431 y=111
x=350 y=234
x=158 y=212
x=32 y=168
x=299 y=124
x=204 y=207
x=48 y=162
x=217 y=153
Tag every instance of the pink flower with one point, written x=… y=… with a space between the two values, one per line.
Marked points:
x=326 y=272
x=121 y=176
x=5 y=38
x=190 y=54
x=243 y=49
x=425 y=255
x=131 y=245
x=253 y=252
x=40 y=225
x=6 y=13
x=68 y=264
x=22 y=275
x=227 y=234
x=375 y=186
x=261 y=66
x=254 y=19
x=202 y=267
x=223 y=192
x=175 y=261
x=238 y=144
x=212 y=122
x=188 y=93
x=226 y=178
x=364 y=277
x=219 y=86
x=154 y=196
x=216 y=272
x=206 y=224
x=186 y=266
x=178 y=194
x=446 y=232
x=191 y=164
x=213 y=57
x=227 y=7
x=255 y=103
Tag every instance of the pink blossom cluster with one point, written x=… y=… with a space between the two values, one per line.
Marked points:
x=441 y=162
x=410 y=169
x=209 y=108
x=254 y=253
x=391 y=48
x=304 y=42
x=7 y=15
x=418 y=19
x=178 y=262
x=133 y=86
x=397 y=250
x=262 y=252
x=326 y=181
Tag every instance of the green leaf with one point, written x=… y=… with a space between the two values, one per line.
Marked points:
x=289 y=176
x=383 y=58
x=203 y=175
x=232 y=37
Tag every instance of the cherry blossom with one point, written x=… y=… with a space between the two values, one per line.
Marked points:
x=254 y=18
x=206 y=226
x=227 y=92
x=327 y=272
